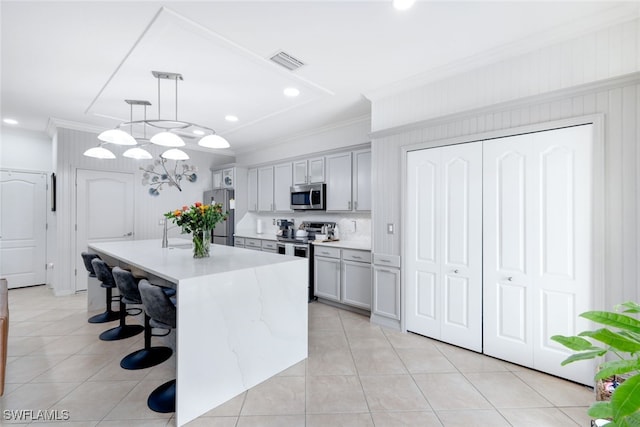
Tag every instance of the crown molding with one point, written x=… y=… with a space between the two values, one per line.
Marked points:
x=615 y=15
x=54 y=124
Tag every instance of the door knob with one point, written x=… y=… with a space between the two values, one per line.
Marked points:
x=455 y=271
x=128 y=234
x=510 y=279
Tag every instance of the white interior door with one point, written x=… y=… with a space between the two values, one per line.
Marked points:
x=23 y=228
x=104 y=212
x=444 y=244
x=537 y=246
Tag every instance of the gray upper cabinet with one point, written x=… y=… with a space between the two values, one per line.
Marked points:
x=309 y=171
x=282 y=179
x=252 y=190
x=339 y=182
x=265 y=189
x=216 y=179
x=362 y=180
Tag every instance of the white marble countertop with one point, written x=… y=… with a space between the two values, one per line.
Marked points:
x=364 y=245
x=254 y=235
x=176 y=262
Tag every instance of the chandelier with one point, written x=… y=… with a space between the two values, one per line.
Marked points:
x=167 y=131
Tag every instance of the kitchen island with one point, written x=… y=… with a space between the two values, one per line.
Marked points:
x=242 y=315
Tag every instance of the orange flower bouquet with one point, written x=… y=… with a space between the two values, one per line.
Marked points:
x=198 y=219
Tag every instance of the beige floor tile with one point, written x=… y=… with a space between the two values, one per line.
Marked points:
x=327 y=340
x=297 y=370
x=317 y=309
x=339 y=420
x=578 y=414
x=472 y=417
x=372 y=342
x=22 y=314
x=330 y=323
x=113 y=372
x=213 y=422
x=405 y=419
x=36 y=396
x=557 y=391
x=470 y=361
x=94 y=400
x=331 y=362
x=408 y=340
x=277 y=395
x=330 y=394
x=228 y=409
x=26 y=328
x=271 y=421
x=379 y=361
x=26 y=368
x=535 y=417
x=78 y=367
x=136 y=423
x=22 y=346
x=65 y=345
x=505 y=390
x=421 y=360
x=133 y=405
x=393 y=393
x=66 y=423
x=450 y=391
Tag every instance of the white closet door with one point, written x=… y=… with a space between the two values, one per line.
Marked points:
x=444 y=251
x=23 y=239
x=537 y=246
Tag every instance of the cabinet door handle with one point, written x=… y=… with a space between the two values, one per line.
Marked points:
x=385 y=270
x=349 y=205
x=384 y=260
x=355 y=205
x=356 y=257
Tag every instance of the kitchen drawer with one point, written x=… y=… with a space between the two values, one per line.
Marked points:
x=253 y=244
x=268 y=245
x=327 y=252
x=388 y=260
x=238 y=241
x=353 y=255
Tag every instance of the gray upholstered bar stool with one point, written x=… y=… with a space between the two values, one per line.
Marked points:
x=148 y=356
x=109 y=315
x=123 y=330
x=162 y=311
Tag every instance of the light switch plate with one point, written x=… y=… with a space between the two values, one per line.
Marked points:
x=390 y=228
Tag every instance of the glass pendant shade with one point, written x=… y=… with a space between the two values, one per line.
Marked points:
x=99 y=153
x=174 y=154
x=137 y=153
x=213 y=141
x=117 y=136
x=167 y=139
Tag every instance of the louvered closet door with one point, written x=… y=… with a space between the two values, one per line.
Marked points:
x=537 y=246
x=444 y=244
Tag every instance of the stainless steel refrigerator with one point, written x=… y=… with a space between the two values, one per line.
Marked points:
x=223 y=233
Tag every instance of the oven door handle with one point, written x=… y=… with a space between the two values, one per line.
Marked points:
x=311 y=198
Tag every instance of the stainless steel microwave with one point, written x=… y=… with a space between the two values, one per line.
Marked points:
x=308 y=197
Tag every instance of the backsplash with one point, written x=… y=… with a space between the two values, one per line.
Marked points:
x=351 y=226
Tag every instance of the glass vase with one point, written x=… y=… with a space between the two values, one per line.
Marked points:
x=201 y=243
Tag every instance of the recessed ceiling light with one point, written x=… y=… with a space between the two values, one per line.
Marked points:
x=231 y=118
x=291 y=91
x=403 y=4
x=198 y=132
x=10 y=121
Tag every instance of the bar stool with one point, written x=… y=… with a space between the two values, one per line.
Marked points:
x=123 y=330
x=162 y=311
x=109 y=315
x=148 y=356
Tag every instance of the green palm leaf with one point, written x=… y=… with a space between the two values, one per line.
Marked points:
x=613 y=339
x=625 y=400
x=617 y=367
x=617 y=320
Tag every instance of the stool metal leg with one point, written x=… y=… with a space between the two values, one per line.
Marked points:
x=148 y=356
x=123 y=330
x=163 y=398
x=109 y=315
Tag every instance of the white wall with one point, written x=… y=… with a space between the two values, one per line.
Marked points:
x=550 y=84
x=25 y=150
x=69 y=146
x=342 y=135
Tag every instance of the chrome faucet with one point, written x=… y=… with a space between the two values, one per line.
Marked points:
x=165 y=239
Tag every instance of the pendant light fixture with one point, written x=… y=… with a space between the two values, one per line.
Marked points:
x=99 y=152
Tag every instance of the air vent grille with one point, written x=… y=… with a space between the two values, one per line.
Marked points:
x=287 y=61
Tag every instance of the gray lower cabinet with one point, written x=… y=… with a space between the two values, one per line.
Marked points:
x=255 y=244
x=343 y=276
x=238 y=242
x=270 y=246
x=386 y=292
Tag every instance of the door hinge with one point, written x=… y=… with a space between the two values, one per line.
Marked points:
x=46 y=226
x=75 y=271
x=76 y=226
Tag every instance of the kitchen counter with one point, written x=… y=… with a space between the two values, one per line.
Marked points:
x=242 y=315
x=364 y=245
x=254 y=235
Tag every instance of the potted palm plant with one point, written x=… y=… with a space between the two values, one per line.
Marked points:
x=620 y=339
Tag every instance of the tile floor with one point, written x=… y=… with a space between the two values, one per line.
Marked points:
x=357 y=374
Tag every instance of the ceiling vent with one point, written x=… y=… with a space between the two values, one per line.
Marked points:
x=287 y=61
